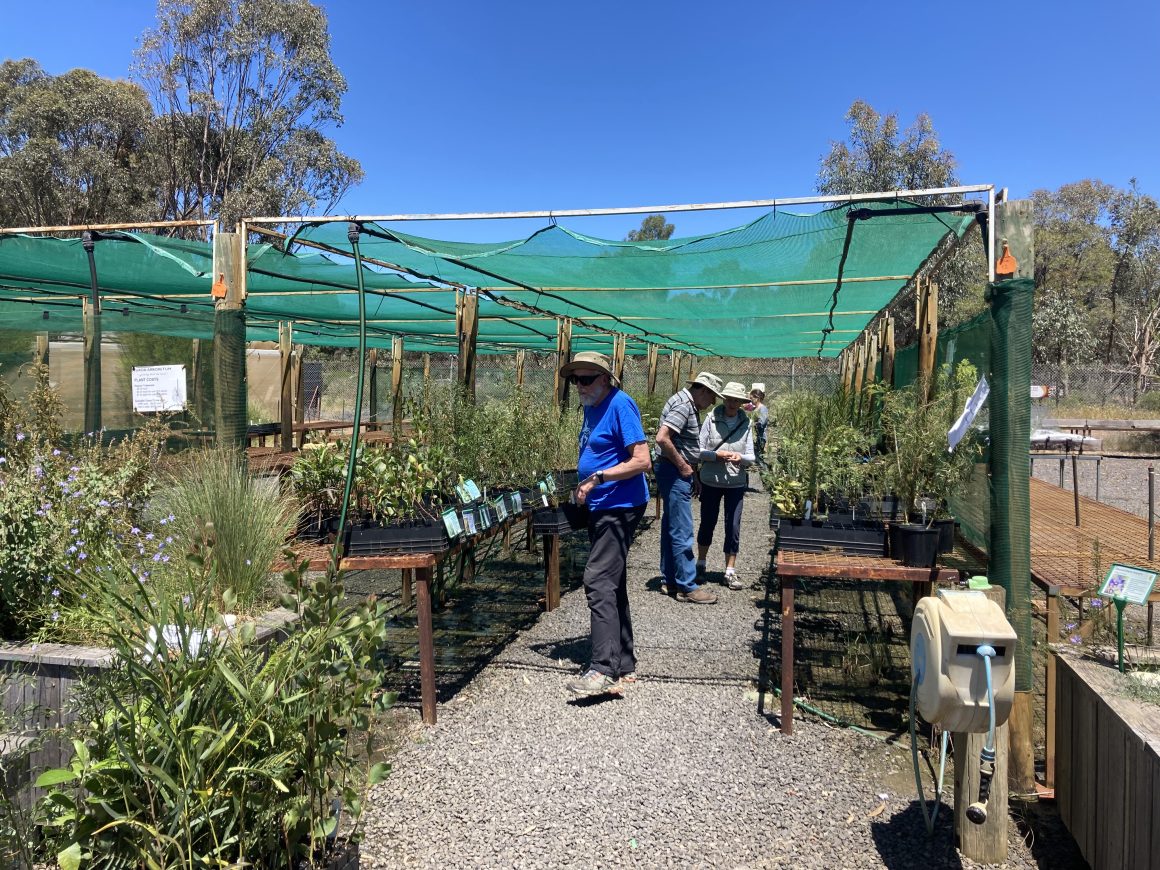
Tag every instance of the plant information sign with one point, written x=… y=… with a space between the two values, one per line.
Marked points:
x=158 y=388
x=1133 y=585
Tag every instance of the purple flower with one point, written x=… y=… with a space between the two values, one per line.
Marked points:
x=156 y=557
x=164 y=521
x=1075 y=639
x=72 y=550
x=247 y=561
x=85 y=595
x=171 y=518
x=169 y=539
x=56 y=593
x=1097 y=603
x=103 y=503
x=55 y=452
x=164 y=558
x=19 y=436
x=149 y=537
x=185 y=599
x=82 y=556
x=134 y=531
x=55 y=615
x=3 y=459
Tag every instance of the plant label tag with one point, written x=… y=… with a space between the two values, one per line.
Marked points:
x=500 y=509
x=469 y=523
x=550 y=482
x=472 y=489
x=452 y=524
x=518 y=501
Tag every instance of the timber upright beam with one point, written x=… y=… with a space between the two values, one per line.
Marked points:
x=551 y=572
x=653 y=360
x=926 y=323
x=229 y=340
x=286 y=398
x=299 y=393
x=42 y=348
x=676 y=370
x=618 y=346
x=372 y=369
x=888 y=351
x=396 y=387
x=521 y=361
x=91 y=319
x=563 y=356
x=467 y=329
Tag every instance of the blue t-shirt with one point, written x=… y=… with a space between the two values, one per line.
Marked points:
x=609 y=430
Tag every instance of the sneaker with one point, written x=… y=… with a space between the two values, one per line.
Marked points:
x=733 y=581
x=626 y=682
x=700 y=595
x=591 y=682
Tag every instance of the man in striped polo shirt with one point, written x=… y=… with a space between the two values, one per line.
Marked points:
x=675 y=466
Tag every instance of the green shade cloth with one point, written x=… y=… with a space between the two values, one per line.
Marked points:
x=765 y=289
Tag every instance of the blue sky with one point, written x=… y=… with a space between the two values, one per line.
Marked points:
x=492 y=106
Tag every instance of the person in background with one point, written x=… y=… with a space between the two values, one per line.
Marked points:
x=759 y=414
x=613 y=459
x=726 y=452
x=678 y=454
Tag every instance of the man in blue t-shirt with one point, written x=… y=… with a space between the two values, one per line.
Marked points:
x=613 y=459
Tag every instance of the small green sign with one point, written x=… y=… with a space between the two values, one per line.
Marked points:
x=1128 y=583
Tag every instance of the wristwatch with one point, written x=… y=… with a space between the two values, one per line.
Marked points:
x=599 y=476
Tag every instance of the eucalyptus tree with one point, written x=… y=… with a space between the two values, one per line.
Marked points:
x=652 y=228
x=72 y=148
x=245 y=91
x=878 y=155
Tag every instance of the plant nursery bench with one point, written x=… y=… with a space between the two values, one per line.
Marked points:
x=790 y=567
x=419 y=567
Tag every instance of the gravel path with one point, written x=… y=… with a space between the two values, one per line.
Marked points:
x=683 y=772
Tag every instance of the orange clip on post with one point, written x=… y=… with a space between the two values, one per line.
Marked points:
x=1006 y=265
x=218 y=290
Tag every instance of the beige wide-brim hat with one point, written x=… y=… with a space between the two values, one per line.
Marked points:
x=589 y=359
x=734 y=390
x=708 y=381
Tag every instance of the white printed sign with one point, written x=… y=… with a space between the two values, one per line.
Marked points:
x=974 y=404
x=158 y=388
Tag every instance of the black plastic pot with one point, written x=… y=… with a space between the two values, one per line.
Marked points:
x=816 y=536
x=561 y=520
x=913 y=544
x=946 y=534
x=421 y=536
x=340 y=855
x=566 y=480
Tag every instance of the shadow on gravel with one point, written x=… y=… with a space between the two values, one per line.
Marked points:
x=903 y=844
x=572 y=649
x=595 y=700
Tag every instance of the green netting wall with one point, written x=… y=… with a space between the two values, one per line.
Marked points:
x=994 y=509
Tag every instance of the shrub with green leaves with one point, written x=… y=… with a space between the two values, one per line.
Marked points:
x=62 y=509
x=207 y=752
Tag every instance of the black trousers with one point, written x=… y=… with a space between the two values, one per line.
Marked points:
x=606 y=585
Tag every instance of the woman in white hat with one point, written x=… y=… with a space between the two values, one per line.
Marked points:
x=726 y=452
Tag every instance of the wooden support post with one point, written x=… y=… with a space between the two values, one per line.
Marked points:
x=926 y=322
x=675 y=370
x=1151 y=512
x=788 y=586
x=551 y=572
x=196 y=379
x=618 y=347
x=1049 y=700
x=42 y=348
x=888 y=352
x=372 y=370
x=407 y=575
x=985 y=843
x=426 y=644
x=692 y=373
x=300 y=393
x=1015 y=224
x=229 y=341
x=1075 y=488
x=521 y=360
x=467 y=329
x=286 y=397
x=91 y=322
x=563 y=357
x=846 y=367
x=1021 y=766
x=653 y=360
x=396 y=387
x=426 y=369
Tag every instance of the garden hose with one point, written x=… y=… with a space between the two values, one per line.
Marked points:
x=977 y=811
x=928 y=816
x=352 y=234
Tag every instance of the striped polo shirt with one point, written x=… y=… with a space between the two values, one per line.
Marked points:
x=680 y=414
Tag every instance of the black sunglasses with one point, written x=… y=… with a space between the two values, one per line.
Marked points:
x=583 y=380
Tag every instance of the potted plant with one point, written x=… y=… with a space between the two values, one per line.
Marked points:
x=397 y=502
x=319 y=475
x=920 y=468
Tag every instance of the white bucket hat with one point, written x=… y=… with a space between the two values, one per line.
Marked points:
x=709 y=381
x=758 y=387
x=734 y=390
